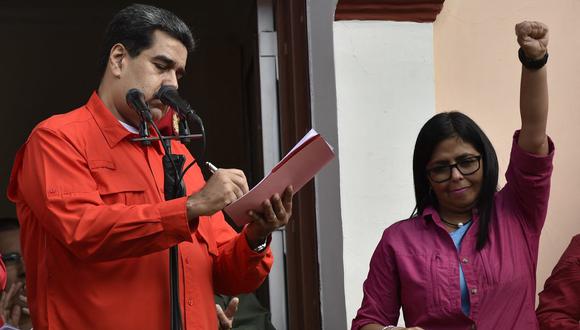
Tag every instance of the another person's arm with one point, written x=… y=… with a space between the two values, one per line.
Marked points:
x=559 y=307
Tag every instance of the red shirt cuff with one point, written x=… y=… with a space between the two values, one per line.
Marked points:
x=173 y=216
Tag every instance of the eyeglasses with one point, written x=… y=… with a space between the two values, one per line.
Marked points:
x=13 y=257
x=466 y=166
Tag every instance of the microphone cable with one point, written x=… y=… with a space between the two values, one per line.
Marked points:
x=169 y=95
x=136 y=100
x=203 y=146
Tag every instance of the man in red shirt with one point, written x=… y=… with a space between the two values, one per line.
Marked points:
x=95 y=226
x=559 y=306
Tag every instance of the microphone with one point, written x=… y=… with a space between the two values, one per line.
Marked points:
x=169 y=96
x=136 y=101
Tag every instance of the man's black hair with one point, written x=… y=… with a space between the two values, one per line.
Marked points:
x=133 y=27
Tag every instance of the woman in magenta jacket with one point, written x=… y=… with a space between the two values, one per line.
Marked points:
x=467 y=258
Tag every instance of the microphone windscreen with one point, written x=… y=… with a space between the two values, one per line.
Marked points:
x=134 y=97
x=136 y=101
x=169 y=95
x=166 y=91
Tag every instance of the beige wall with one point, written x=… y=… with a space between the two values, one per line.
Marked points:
x=477 y=72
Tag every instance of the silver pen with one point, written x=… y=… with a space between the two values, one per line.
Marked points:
x=212 y=167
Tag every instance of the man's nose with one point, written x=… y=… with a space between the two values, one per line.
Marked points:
x=171 y=80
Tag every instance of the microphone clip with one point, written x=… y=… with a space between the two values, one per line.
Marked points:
x=144 y=132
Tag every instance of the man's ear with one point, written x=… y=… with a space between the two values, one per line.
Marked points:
x=116 y=57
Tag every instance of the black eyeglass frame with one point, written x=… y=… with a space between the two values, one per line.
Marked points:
x=451 y=166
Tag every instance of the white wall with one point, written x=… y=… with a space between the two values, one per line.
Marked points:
x=385 y=92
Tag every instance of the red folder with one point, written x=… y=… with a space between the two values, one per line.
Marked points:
x=300 y=165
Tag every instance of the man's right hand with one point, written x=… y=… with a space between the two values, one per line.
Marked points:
x=224 y=187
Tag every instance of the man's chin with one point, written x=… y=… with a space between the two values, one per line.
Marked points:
x=157 y=114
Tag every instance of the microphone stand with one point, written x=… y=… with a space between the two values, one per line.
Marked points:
x=174 y=188
x=172 y=170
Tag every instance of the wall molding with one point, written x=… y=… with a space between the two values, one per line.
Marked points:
x=422 y=11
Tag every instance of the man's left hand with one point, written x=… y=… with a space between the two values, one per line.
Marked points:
x=275 y=213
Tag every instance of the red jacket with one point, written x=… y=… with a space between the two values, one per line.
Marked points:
x=559 y=306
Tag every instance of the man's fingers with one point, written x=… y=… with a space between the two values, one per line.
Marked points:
x=268 y=211
x=13 y=289
x=12 y=294
x=237 y=177
x=221 y=316
x=236 y=190
x=242 y=184
x=278 y=207
x=219 y=310
x=3 y=300
x=15 y=315
x=287 y=198
x=232 y=308
x=235 y=172
x=243 y=180
x=255 y=216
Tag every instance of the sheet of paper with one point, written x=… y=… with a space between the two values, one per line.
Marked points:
x=298 y=167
